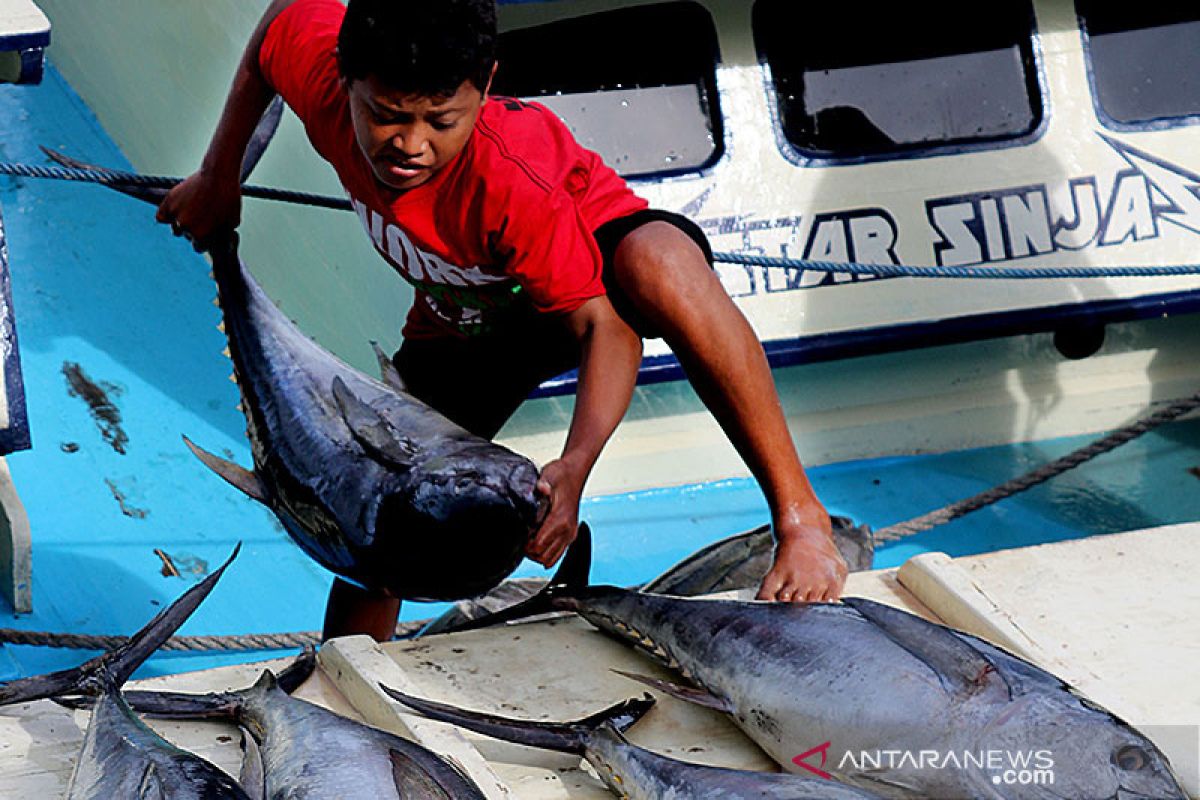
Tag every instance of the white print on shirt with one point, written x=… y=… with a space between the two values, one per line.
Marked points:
x=414 y=263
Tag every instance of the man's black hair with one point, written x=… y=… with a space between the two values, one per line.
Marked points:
x=422 y=47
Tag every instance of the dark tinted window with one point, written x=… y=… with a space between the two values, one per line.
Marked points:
x=637 y=85
x=855 y=79
x=1145 y=58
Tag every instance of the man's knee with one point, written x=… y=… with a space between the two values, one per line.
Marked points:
x=658 y=262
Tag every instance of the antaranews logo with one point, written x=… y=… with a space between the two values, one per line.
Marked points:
x=1006 y=767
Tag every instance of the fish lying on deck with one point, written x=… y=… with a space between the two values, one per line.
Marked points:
x=634 y=772
x=733 y=563
x=297 y=750
x=121 y=756
x=373 y=484
x=846 y=689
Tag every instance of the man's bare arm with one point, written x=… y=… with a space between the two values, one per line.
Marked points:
x=210 y=200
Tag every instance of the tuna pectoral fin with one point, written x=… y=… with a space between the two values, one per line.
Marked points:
x=237 y=476
x=387 y=370
x=571 y=576
x=687 y=694
x=371 y=430
x=961 y=668
x=116 y=665
x=568 y=737
x=253 y=776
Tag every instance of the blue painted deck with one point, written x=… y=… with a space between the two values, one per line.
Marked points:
x=97 y=283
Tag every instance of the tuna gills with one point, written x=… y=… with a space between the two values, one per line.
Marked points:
x=874 y=696
x=299 y=751
x=121 y=756
x=372 y=483
x=634 y=772
x=735 y=562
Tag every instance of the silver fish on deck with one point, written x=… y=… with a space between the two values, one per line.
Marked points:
x=372 y=483
x=631 y=771
x=299 y=751
x=841 y=689
x=122 y=757
x=736 y=562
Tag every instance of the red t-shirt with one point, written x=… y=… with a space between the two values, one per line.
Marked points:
x=516 y=208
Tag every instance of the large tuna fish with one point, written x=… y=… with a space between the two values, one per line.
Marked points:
x=634 y=772
x=121 y=756
x=874 y=696
x=369 y=481
x=300 y=751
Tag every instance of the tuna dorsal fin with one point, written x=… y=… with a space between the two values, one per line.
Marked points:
x=387 y=369
x=252 y=776
x=371 y=430
x=687 y=694
x=961 y=668
x=237 y=476
x=150 y=787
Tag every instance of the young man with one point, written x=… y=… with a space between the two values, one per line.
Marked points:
x=528 y=255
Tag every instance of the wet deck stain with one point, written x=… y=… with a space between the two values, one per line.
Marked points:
x=98 y=398
x=126 y=509
x=183 y=565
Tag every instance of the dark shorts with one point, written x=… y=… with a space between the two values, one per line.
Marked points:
x=480 y=381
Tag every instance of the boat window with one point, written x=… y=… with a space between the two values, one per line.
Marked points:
x=1145 y=60
x=853 y=80
x=636 y=85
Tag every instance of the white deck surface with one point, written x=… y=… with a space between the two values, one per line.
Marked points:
x=21 y=18
x=1114 y=615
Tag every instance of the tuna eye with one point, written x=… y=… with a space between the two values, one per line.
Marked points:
x=1131 y=757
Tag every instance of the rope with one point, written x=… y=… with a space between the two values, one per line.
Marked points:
x=1039 y=475
x=247 y=641
x=287 y=641
x=128 y=179
x=792 y=265
x=986 y=273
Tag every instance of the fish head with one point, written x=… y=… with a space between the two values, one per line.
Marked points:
x=460 y=522
x=1064 y=746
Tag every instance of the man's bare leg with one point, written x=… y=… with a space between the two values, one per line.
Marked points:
x=664 y=274
x=352 y=610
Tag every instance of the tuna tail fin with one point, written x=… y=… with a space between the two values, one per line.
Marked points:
x=568 y=737
x=216 y=705
x=117 y=665
x=237 y=476
x=153 y=194
x=571 y=577
x=264 y=132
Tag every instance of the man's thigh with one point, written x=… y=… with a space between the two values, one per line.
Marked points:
x=479 y=382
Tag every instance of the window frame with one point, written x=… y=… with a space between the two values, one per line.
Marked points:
x=1105 y=119
x=712 y=98
x=798 y=156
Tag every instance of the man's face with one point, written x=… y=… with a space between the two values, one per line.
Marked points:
x=406 y=137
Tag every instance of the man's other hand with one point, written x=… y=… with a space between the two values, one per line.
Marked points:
x=561 y=484
x=202 y=207
x=807 y=568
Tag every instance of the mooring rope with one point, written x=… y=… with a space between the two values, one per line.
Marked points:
x=285 y=641
x=132 y=179
x=119 y=178
x=233 y=642
x=1039 y=475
